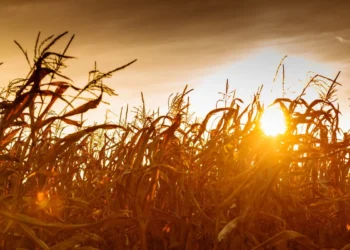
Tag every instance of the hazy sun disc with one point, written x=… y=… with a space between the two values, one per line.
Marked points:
x=273 y=121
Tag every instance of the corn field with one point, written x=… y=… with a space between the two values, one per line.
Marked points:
x=167 y=181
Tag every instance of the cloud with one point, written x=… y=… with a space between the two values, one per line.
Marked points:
x=176 y=40
x=342 y=40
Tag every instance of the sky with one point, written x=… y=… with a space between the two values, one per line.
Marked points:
x=200 y=43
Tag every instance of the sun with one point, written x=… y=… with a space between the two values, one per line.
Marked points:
x=273 y=121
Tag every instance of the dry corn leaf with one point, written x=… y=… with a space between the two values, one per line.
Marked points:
x=287 y=235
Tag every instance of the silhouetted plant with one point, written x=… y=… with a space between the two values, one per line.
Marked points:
x=167 y=181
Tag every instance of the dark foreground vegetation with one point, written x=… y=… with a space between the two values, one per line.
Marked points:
x=166 y=182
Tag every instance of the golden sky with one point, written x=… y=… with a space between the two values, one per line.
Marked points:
x=200 y=43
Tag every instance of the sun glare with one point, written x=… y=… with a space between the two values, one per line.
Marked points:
x=273 y=122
